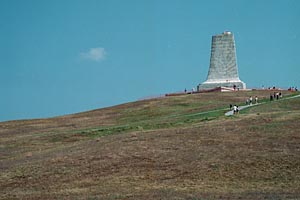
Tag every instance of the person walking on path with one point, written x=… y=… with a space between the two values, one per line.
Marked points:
x=235 y=109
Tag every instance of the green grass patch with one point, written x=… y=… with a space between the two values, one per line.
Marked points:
x=154 y=123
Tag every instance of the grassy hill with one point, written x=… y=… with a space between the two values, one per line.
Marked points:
x=180 y=147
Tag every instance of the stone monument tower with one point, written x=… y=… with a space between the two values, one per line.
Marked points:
x=223 y=70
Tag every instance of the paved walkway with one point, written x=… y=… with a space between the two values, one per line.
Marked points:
x=229 y=113
x=241 y=108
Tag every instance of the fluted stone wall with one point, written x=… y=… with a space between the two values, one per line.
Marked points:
x=223 y=70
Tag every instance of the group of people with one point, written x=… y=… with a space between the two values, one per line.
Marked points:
x=276 y=96
x=193 y=91
x=293 y=89
x=249 y=101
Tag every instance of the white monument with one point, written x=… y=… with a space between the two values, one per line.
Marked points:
x=223 y=70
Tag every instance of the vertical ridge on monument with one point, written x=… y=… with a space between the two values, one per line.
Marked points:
x=223 y=70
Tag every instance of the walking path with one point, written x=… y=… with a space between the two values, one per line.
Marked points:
x=229 y=113
x=241 y=108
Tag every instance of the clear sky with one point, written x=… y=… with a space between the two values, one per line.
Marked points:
x=66 y=56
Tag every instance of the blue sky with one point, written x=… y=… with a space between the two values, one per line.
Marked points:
x=66 y=56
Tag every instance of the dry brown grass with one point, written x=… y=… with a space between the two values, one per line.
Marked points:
x=249 y=156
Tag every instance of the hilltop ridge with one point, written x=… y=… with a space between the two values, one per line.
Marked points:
x=180 y=147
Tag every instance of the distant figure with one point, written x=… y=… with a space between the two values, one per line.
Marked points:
x=247 y=102
x=235 y=109
x=256 y=99
x=296 y=89
x=230 y=106
x=234 y=87
x=250 y=100
x=185 y=90
x=193 y=90
x=271 y=97
x=277 y=95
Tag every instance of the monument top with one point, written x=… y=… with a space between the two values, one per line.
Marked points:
x=227 y=32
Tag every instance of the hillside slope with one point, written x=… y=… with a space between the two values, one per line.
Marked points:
x=169 y=148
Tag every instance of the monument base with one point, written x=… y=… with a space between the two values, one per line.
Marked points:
x=207 y=85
